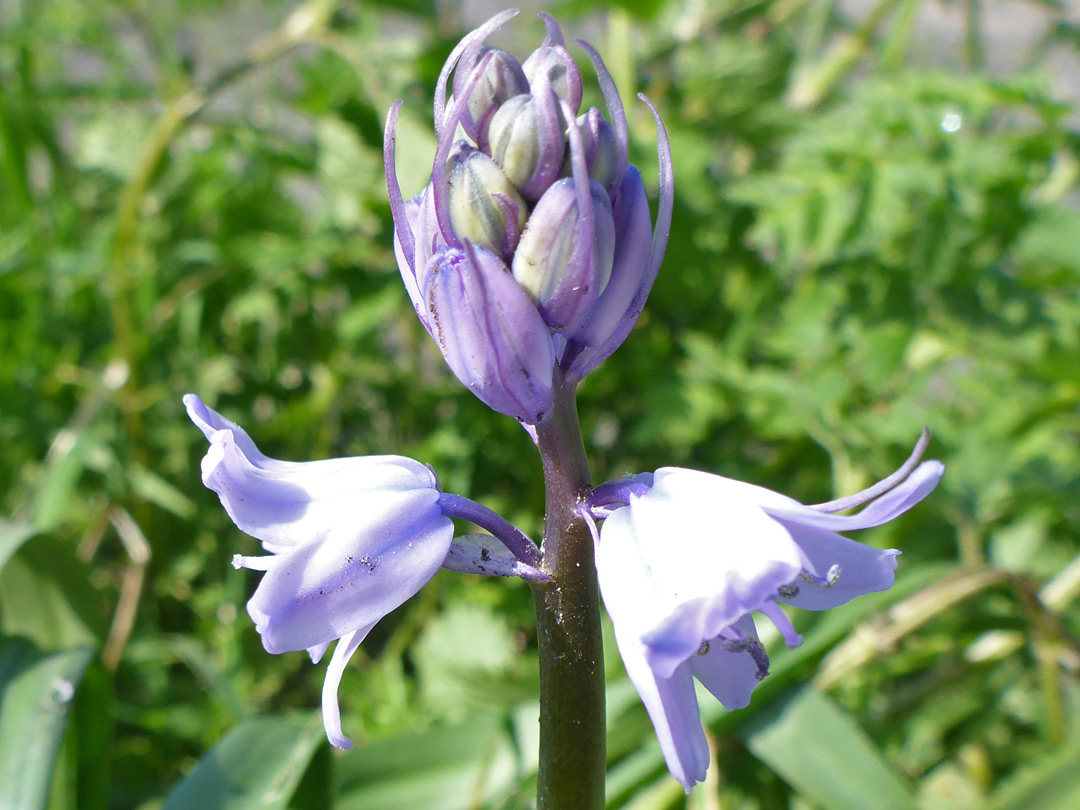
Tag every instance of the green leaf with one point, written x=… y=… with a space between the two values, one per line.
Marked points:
x=824 y=755
x=36 y=689
x=46 y=596
x=1053 y=784
x=449 y=768
x=13 y=535
x=256 y=766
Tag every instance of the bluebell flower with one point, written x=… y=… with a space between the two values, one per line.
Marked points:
x=532 y=250
x=348 y=541
x=684 y=558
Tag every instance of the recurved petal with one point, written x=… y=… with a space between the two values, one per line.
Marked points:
x=892 y=504
x=285 y=504
x=729 y=672
x=381 y=553
x=861 y=569
x=330 y=709
x=673 y=708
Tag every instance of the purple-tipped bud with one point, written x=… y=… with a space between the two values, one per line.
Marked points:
x=633 y=238
x=527 y=141
x=552 y=64
x=501 y=78
x=601 y=152
x=485 y=208
x=562 y=262
x=583 y=257
x=490 y=333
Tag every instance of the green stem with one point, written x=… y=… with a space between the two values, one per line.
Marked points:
x=572 y=730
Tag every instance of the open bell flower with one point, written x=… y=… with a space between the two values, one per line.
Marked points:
x=349 y=540
x=685 y=557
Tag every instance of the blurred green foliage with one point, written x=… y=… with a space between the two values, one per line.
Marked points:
x=868 y=237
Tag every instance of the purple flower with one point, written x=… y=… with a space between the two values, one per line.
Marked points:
x=685 y=557
x=524 y=187
x=349 y=540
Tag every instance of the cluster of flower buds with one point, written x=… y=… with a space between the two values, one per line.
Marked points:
x=532 y=248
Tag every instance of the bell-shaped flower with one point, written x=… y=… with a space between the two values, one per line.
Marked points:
x=684 y=559
x=349 y=540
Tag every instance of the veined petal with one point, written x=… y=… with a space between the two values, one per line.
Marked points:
x=356 y=573
x=285 y=504
x=673 y=708
x=729 y=669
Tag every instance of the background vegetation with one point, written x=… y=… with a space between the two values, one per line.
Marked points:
x=869 y=237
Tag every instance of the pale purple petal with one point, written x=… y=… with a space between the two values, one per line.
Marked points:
x=355 y=573
x=490 y=333
x=675 y=579
x=862 y=569
x=286 y=504
x=889 y=506
x=673 y=709
x=730 y=675
x=330 y=710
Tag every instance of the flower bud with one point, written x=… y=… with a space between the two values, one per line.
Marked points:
x=552 y=64
x=485 y=208
x=633 y=239
x=490 y=333
x=598 y=139
x=563 y=261
x=502 y=78
x=527 y=141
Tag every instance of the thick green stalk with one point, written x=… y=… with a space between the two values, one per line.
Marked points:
x=572 y=731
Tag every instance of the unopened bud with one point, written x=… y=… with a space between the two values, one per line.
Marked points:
x=527 y=142
x=557 y=263
x=554 y=61
x=485 y=208
x=490 y=333
x=598 y=140
x=502 y=78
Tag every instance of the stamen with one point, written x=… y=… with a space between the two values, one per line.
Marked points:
x=832 y=576
x=882 y=486
x=788 y=591
x=703 y=649
x=756 y=650
x=776 y=615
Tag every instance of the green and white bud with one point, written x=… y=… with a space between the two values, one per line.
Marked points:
x=481 y=199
